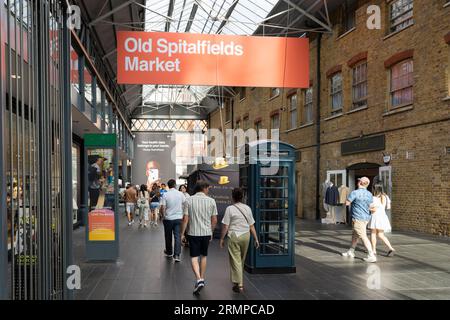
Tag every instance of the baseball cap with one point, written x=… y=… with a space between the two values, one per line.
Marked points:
x=364 y=181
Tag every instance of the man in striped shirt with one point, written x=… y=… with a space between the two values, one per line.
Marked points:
x=201 y=213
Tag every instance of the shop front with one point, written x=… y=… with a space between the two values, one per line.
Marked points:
x=363 y=157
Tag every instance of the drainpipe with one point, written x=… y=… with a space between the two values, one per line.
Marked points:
x=318 y=88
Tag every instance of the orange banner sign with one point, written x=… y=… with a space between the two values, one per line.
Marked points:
x=203 y=59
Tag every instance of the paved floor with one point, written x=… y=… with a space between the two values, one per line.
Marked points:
x=420 y=270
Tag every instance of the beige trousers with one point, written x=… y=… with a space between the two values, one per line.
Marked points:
x=237 y=249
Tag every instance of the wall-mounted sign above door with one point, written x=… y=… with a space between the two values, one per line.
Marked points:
x=204 y=59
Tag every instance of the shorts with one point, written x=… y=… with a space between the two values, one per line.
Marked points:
x=359 y=228
x=198 y=245
x=154 y=205
x=130 y=207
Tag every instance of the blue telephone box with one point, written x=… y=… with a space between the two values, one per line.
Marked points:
x=268 y=181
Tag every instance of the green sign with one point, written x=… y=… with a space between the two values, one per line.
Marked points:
x=96 y=140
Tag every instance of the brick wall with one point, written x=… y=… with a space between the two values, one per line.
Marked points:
x=421 y=183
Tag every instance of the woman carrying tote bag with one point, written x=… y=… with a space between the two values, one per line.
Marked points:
x=238 y=223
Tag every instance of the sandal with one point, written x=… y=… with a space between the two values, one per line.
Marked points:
x=238 y=289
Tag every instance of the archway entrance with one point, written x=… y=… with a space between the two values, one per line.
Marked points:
x=363 y=169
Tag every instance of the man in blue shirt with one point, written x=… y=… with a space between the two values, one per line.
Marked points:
x=360 y=201
x=172 y=204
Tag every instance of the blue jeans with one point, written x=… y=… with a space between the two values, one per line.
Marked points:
x=173 y=226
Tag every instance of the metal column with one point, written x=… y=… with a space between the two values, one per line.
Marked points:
x=3 y=212
x=32 y=163
x=67 y=154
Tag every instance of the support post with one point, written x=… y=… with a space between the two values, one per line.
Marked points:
x=67 y=156
x=319 y=39
x=3 y=218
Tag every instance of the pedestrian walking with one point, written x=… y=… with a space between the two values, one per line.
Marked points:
x=143 y=205
x=183 y=189
x=379 y=221
x=201 y=214
x=360 y=201
x=238 y=224
x=154 y=205
x=172 y=204
x=130 y=198
x=162 y=190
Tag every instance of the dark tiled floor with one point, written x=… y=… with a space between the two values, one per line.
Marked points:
x=420 y=270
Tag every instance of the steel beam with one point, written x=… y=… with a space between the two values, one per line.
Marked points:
x=191 y=17
x=227 y=15
x=309 y=15
x=111 y=12
x=169 y=14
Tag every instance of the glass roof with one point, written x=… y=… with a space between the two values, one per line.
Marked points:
x=234 y=17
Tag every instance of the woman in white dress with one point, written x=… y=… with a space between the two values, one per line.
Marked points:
x=143 y=205
x=379 y=221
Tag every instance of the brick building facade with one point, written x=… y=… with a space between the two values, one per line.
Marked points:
x=383 y=92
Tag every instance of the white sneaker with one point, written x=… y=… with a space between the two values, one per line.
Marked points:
x=349 y=253
x=129 y=223
x=370 y=259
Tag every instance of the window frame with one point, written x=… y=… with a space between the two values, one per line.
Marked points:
x=277 y=90
x=292 y=110
x=348 y=10
x=355 y=84
x=242 y=93
x=308 y=104
x=246 y=122
x=393 y=91
x=257 y=125
x=333 y=93
x=228 y=110
x=408 y=21
x=272 y=118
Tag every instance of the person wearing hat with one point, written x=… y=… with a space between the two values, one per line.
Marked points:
x=360 y=201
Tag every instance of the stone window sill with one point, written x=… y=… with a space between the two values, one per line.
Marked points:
x=398 y=110
x=346 y=33
x=334 y=116
x=446 y=98
x=447 y=4
x=274 y=97
x=357 y=109
x=397 y=32
x=299 y=127
x=306 y=125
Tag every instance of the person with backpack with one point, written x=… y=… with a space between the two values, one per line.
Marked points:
x=238 y=223
x=143 y=205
